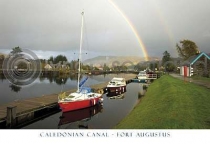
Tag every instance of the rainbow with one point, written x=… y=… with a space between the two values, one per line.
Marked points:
x=164 y=23
x=143 y=48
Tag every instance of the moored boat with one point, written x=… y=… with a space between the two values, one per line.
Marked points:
x=116 y=85
x=84 y=97
x=142 y=77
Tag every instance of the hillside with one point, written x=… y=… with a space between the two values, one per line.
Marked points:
x=120 y=60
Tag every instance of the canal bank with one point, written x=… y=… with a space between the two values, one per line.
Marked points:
x=170 y=103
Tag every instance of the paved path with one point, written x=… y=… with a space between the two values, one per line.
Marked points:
x=189 y=79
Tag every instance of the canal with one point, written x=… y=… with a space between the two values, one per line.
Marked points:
x=105 y=116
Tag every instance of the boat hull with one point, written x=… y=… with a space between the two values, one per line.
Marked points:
x=116 y=89
x=79 y=104
x=113 y=94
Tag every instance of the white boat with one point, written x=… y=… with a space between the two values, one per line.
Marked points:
x=116 y=85
x=83 y=97
x=142 y=76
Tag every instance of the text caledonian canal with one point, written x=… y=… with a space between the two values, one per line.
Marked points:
x=73 y=134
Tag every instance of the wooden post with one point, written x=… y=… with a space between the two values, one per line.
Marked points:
x=11 y=116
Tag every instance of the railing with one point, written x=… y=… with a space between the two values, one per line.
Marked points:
x=152 y=76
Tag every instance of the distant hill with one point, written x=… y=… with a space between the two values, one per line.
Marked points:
x=114 y=60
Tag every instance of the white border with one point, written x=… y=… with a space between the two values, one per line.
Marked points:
x=106 y=136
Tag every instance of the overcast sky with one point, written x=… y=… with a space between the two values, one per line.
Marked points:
x=52 y=27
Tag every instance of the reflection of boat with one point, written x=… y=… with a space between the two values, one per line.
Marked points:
x=116 y=85
x=79 y=115
x=83 y=97
x=116 y=93
x=121 y=96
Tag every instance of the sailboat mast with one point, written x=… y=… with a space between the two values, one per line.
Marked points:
x=80 y=51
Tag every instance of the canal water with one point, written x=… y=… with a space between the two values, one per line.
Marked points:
x=104 y=116
x=45 y=85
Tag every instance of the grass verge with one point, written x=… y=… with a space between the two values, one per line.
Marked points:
x=200 y=78
x=170 y=103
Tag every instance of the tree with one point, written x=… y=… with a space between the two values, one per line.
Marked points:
x=105 y=68
x=187 y=49
x=166 y=57
x=140 y=67
x=60 y=58
x=51 y=59
x=16 y=50
x=166 y=62
x=57 y=59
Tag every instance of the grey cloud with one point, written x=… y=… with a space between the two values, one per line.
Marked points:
x=54 y=26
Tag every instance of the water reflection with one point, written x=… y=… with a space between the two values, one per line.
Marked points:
x=104 y=117
x=2 y=77
x=82 y=116
x=73 y=76
x=15 y=88
x=59 y=79
x=46 y=85
x=121 y=96
x=116 y=94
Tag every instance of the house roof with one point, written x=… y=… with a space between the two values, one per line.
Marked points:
x=191 y=60
x=48 y=66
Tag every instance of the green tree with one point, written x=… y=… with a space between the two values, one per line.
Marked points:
x=105 y=68
x=167 y=63
x=57 y=59
x=85 y=67
x=140 y=67
x=16 y=50
x=153 y=66
x=187 y=49
x=51 y=59
x=60 y=58
x=166 y=57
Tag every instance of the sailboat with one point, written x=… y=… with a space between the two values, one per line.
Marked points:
x=84 y=97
